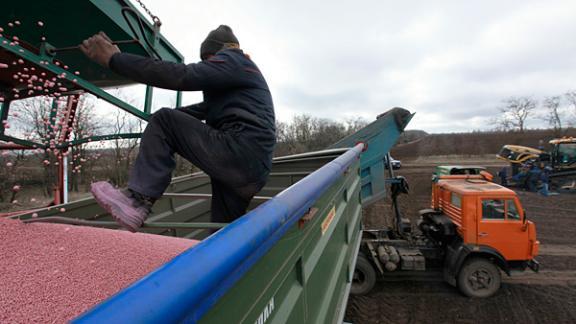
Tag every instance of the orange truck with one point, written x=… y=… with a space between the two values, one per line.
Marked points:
x=474 y=230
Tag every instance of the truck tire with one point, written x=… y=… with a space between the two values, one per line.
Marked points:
x=364 y=277
x=479 y=278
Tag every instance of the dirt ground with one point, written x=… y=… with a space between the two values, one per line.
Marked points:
x=546 y=297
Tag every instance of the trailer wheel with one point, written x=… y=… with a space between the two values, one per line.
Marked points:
x=479 y=278
x=364 y=277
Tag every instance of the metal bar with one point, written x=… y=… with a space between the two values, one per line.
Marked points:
x=179 y=99
x=71 y=108
x=79 y=82
x=148 y=99
x=201 y=195
x=71 y=48
x=64 y=185
x=15 y=147
x=100 y=138
x=22 y=142
x=72 y=221
x=4 y=109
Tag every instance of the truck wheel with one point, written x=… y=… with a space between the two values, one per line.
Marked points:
x=479 y=278
x=364 y=277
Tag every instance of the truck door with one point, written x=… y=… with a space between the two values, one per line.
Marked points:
x=500 y=227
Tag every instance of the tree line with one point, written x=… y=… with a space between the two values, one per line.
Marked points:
x=558 y=112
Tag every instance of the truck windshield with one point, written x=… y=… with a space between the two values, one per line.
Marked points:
x=567 y=153
x=511 y=211
x=499 y=209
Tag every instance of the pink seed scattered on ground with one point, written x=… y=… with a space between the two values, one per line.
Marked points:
x=10 y=24
x=43 y=38
x=40 y=23
x=17 y=22
x=1 y=30
x=9 y=164
x=34 y=215
x=16 y=188
x=44 y=283
x=3 y=66
x=62 y=210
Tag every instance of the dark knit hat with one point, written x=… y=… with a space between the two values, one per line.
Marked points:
x=216 y=39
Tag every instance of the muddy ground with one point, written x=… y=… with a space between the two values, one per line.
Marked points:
x=546 y=297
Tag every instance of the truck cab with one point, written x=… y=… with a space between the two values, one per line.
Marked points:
x=489 y=227
x=487 y=215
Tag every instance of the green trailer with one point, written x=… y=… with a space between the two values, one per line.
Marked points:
x=290 y=259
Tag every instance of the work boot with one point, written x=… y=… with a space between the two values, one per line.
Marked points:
x=129 y=208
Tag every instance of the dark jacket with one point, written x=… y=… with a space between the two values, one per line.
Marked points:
x=236 y=95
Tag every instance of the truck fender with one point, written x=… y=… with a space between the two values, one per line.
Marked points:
x=458 y=254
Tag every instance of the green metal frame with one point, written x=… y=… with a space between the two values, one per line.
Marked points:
x=121 y=19
x=70 y=77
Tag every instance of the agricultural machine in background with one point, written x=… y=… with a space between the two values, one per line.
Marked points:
x=561 y=160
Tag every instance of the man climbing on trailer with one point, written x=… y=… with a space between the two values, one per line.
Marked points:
x=234 y=147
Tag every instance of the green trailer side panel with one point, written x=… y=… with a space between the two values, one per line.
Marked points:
x=304 y=278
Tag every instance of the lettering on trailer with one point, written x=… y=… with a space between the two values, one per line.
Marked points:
x=266 y=313
x=328 y=220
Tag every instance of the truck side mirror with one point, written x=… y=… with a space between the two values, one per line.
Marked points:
x=524 y=219
x=524 y=222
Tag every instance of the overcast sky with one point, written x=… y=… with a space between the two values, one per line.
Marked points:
x=451 y=62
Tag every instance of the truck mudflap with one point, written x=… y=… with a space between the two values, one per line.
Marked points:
x=457 y=254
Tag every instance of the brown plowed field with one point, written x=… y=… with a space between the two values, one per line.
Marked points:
x=546 y=297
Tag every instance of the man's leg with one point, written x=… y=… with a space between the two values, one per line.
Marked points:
x=227 y=205
x=168 y=132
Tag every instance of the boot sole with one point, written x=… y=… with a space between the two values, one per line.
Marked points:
x=113 y=210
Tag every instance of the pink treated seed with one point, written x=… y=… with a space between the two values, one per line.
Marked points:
x=17 y=22
x=3 y=66
x=62 y=210
x=40 y=23
x=34 y=215
x=9 y=164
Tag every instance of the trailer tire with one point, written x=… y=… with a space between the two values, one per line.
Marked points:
x=364 y=277
x=479 y=277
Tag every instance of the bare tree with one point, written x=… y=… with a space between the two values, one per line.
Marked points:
x=306 y=133
x=86 y=124
x=35 y=123
x=553 y=114
x=570 y=97
x=516 y=111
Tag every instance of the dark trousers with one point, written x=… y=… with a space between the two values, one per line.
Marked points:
x=224 y=155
